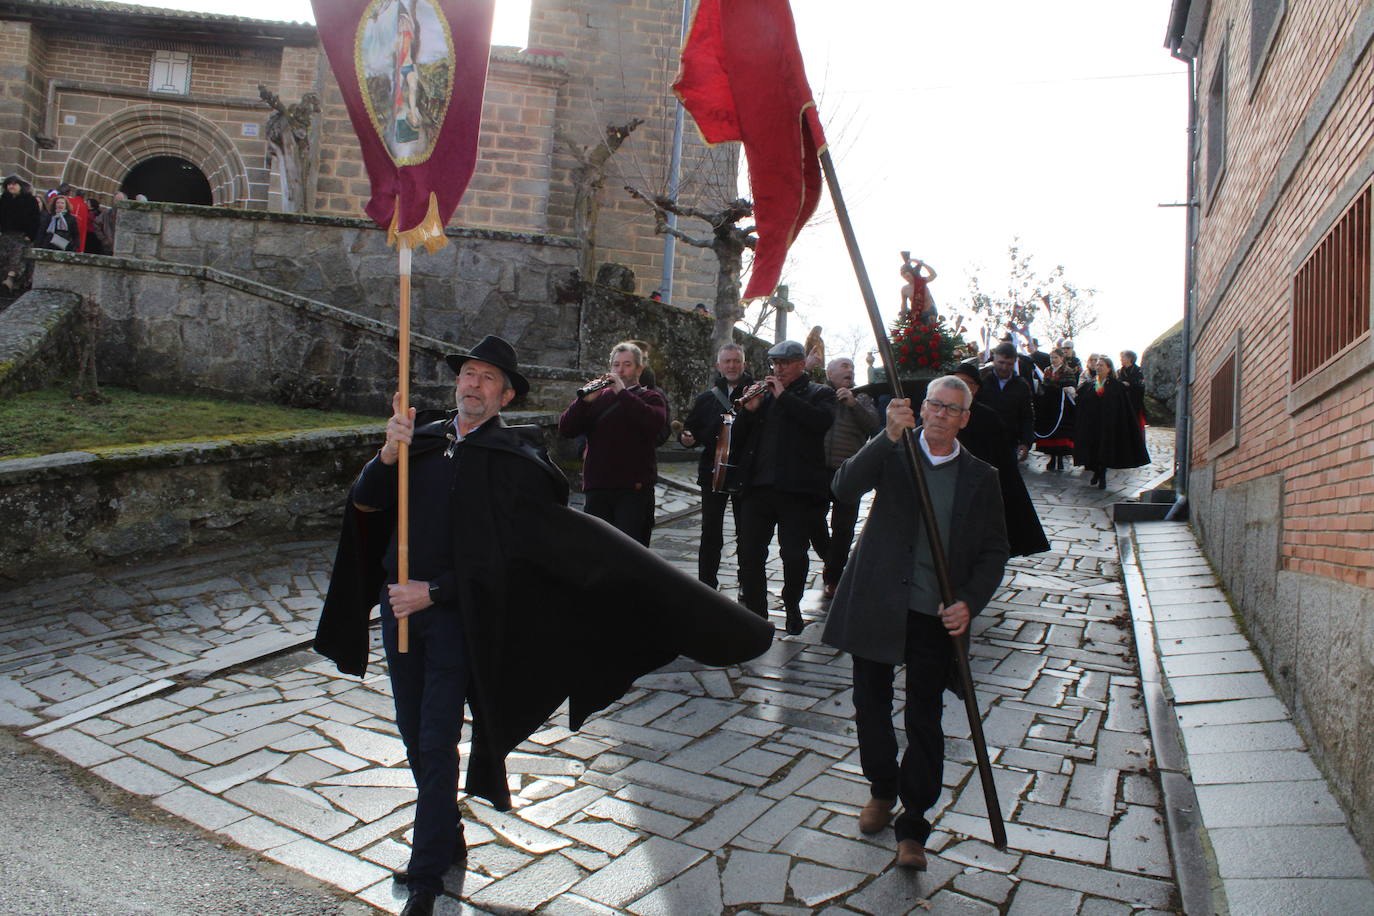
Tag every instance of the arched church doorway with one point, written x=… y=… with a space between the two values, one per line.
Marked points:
x=168 y=179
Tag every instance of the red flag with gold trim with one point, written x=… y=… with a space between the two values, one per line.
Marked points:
x=412 y=73
x=742 y=79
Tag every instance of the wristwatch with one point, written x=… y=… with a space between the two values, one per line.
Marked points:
x=434 y=594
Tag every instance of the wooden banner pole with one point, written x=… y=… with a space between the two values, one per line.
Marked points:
x=403 y=468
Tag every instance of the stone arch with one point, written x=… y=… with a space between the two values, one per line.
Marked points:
x=110 y=149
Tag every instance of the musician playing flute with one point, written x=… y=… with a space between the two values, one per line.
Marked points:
x=779 y=466
x=703 y=427
x=622 y=422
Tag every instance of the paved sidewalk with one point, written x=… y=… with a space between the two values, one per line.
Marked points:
x=702 y=791
x=1279 y=841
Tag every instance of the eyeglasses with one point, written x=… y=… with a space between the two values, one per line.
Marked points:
x=952 y=410
x=782 y=360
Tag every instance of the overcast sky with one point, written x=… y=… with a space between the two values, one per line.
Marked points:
x=957 y=127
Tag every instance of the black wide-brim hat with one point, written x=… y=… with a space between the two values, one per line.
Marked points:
x=499 y=353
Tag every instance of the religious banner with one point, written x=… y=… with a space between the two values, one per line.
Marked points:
x=412 y=74
x=742 y=79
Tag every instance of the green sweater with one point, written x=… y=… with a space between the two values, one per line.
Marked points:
x=925 y=587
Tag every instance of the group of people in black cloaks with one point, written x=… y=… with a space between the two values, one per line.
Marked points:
x=1094 y=414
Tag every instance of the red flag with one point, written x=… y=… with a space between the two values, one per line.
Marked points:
x=412 y=73
x=742 y=79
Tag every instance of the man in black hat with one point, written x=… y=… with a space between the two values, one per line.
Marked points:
x=779 y=469
x=511 y=601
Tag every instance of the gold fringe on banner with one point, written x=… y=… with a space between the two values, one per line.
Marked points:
x=429 y=232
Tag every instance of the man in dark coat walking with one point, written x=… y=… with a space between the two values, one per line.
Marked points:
x=514 y=601
x=779 y=468
x=888 y=612
x=989 y=440
x=1007 y=393
x=703 y=427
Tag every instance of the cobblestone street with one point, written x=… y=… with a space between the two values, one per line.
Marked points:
x=702 y=791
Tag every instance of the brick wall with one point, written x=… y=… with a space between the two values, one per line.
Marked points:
x=1325 y=451
x=1287 y=513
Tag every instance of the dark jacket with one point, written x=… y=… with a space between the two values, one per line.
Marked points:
x=854 y=424
x=1054 y=414
x=1012 y=403
x=703 y=422
x=20 y=213
x=541 y=590
x=1133 y=378
x=1107 y=433
x=804 y=411
x=622 y=430
x=869 y=614
x=986 y=438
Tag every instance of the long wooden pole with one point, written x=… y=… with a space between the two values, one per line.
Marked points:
x=937 y=547
x=403 y=465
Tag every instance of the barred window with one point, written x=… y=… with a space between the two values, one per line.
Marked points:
x=1221 y=418
x=1331 y=302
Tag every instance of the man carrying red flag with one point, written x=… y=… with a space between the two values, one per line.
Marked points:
x=742 y=79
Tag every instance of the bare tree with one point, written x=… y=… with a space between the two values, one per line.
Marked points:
x=292 y=134
x=1068 y=309
x=727 y=241
x=588 y=178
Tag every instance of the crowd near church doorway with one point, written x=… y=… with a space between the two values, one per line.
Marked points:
x=168 y=179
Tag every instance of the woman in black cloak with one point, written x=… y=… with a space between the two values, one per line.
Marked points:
x=1106 y=432
x=987 y=437
x=1133 y=377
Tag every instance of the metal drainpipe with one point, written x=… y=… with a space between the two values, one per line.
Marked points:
x=674 y=175
x=1184 y=422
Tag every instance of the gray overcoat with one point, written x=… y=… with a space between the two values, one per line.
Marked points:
x=868 y=616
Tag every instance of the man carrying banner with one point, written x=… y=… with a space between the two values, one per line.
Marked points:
x=514 y=605
x=887 y=609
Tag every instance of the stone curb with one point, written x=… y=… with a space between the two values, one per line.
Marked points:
x=1195 y=868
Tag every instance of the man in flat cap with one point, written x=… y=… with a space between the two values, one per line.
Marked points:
x=778 y=458
x=512 y=601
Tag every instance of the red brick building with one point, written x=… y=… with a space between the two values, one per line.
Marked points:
x=109 y=96
x=1280 y=469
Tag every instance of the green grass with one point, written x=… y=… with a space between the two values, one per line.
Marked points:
x=43 y=422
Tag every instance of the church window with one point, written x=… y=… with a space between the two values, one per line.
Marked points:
x=170 y=72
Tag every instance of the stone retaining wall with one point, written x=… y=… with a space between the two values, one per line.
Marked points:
x=38 y=339
x=518 y=285
x=181 y=329
x=71 y=510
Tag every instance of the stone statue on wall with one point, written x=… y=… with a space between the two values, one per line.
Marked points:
x=292 y=137
x=588 y=178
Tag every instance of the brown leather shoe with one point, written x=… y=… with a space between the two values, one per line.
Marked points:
x=911 y=854
x=877 y=814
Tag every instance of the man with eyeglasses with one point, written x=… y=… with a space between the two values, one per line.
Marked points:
x=887 y=609
x=778 y=453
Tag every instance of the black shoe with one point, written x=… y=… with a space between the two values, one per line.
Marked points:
x=1096 y=481
x=1102 y=481
x=420 y=903
x=795 y=624
x=460 y=854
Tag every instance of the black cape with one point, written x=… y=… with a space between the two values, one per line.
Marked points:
x=988 y=438
x=1107 y=431
x=557 y=605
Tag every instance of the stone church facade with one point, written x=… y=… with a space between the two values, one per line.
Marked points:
x=90 y=91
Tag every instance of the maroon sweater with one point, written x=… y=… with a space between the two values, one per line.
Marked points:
x=622 y=430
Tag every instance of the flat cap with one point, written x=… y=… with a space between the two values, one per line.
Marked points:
x=787 y=349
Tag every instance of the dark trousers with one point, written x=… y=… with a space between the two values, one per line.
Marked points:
x=713 y=534
x=631 y=509
x=429 y=684
x=843 y=518
x=760 y=510
x=916 y=781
